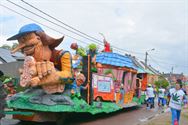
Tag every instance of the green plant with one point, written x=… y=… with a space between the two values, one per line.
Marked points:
x=92 y=46
x=2 y=78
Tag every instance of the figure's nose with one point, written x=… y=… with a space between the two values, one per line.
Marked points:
x=20 y=46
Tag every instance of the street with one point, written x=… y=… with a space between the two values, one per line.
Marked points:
x=129 y=116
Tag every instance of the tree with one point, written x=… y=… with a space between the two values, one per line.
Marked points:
x=9 y=47
x=6 y=46
x=161 y=82
x=14 y=46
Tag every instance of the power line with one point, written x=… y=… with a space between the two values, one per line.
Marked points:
x=167 y=68
x=158 y=63
x=96 y=40
x=71 y=26
x=50 y=21
x=162 y=62
x=42 y=24
x=59 y=21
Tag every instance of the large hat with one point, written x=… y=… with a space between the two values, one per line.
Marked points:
x=26 y=29
x=49 y=41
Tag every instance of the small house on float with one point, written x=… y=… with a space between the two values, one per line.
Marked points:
x=115 y=79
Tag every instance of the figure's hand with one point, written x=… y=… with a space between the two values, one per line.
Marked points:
x=72 y=91
x=75 y=57
x=44 y=68
x=45 y=73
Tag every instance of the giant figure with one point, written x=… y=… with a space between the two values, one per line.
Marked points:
x=44 y=65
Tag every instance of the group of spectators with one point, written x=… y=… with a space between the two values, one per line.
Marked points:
x=174 y=98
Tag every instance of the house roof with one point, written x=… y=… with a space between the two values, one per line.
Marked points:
x=150 y=69
x=7 y=57
x=140 y=67
x=140 y=70
x=115 y=59
x=153 y=70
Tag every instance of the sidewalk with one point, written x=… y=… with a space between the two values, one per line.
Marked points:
x=165 y=119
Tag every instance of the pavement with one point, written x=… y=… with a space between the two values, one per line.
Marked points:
x=164 y=118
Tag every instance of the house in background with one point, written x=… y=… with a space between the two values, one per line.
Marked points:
x=10 y=63
x=172 y=77
x=153 y=74
x=147 y=74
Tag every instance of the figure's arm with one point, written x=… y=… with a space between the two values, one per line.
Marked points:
x=81 y=51
x=66 y=66
x=84 y=87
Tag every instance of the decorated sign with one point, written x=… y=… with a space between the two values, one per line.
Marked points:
x=104 y=86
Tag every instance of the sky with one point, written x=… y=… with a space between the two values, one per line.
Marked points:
x=136 y=26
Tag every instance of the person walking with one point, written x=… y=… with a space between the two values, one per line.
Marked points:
x=161 y=94
x=150 y=94
x=176 y=102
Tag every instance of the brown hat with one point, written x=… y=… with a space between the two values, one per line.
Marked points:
x=49 y=41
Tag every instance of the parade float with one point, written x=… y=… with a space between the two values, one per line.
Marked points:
x=55 y=85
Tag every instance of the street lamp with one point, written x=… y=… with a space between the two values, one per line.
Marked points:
x=146 y=59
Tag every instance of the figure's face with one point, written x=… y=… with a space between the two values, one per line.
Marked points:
x=31 y=45
x=30 y=41
x=79 y=82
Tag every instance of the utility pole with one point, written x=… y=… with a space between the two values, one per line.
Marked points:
x=146 y=59
x=171 y=75
x=172 y=69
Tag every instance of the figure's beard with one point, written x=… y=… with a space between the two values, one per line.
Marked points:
x=38 y=51
x=29 y=50
x=32 y=49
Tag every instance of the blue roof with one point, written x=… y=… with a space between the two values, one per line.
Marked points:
x=115 y=59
